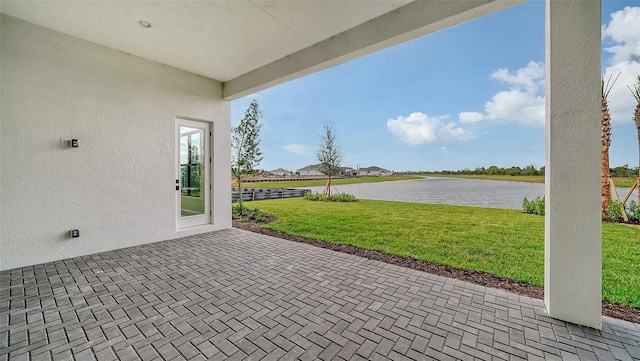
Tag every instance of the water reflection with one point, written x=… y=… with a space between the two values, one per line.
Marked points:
x=456 y=191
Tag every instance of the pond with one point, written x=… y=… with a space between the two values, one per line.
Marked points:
x=456 y=191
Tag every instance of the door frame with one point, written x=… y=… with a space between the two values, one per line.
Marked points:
x=206 y=217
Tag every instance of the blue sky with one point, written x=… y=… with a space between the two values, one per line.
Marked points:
x=466 y=97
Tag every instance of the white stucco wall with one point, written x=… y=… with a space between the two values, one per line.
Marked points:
x=573 y=223
x=118 y=187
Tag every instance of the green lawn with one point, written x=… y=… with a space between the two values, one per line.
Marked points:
x=506 y=243
x=624 y=182
x=619 y=181
x=321 y=182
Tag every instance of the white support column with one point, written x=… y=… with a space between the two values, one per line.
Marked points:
x=573 y=227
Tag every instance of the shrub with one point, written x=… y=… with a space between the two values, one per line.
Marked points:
x=535 y=206
x=314 y=196
x=238 y=211
x=258 y=216
x=539 y=206
x=614 y=210
x=527 y=206
x=343 y=197
x=338 y=197
x=633 y=211
x=243 y=213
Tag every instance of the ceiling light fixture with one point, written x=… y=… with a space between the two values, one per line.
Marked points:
x=144 y=24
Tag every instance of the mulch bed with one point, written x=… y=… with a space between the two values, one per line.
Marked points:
x=480 y=278
x=631 y=221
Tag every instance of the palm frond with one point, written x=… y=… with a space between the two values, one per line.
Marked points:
x=606 y=88
x=635 y=91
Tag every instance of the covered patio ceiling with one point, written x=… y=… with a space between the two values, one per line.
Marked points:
x=250 y=45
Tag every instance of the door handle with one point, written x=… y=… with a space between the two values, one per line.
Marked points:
x=177 y=184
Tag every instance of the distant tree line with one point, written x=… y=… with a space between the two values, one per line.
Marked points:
x=624 y=171
x=495 y=170
x=530 y=170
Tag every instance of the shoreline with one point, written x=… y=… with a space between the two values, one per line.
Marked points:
x=622 y=182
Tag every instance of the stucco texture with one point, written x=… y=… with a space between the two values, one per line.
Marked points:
x=118 y=187
x=573 y=225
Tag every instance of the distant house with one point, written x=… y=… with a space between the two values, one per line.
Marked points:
x=374 y=171
x=310 y=170
x=281 y=172
x=314 y=170
x=347 y=172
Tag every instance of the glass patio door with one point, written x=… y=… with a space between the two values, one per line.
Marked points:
x=192 y=173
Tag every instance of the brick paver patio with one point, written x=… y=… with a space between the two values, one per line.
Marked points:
x=238 y=295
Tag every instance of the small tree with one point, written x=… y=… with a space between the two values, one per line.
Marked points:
x=245 y=151
x=329 y=155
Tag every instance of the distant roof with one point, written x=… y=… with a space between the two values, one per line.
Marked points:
x=317 y=167
x=310 y=167
x=374 y=169
x=279 y=170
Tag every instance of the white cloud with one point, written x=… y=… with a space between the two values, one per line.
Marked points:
x=529 y=79
x=517 y=106
x=453 y=131
x=298 y=149
x=470 y=117
x=445 y=151
x=623 y=34
x=419 y=128
x=623 y=31
x=523 y=103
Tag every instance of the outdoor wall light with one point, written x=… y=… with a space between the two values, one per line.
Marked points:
x=145 y=24
x=69 y=143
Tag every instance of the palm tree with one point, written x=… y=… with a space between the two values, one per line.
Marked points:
x=636 y=117
x=606 y=143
